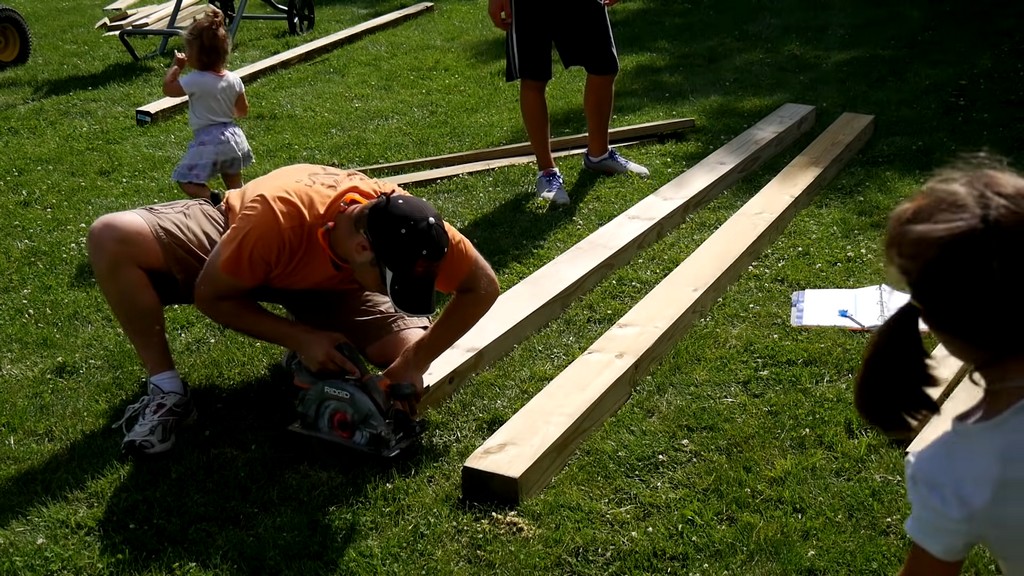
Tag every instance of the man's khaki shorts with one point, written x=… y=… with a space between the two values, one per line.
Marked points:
x=188 y=230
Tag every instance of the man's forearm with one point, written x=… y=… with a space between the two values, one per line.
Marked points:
x=252 y=319
x=461 y=314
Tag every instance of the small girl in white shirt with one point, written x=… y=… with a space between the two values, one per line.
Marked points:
x=959 y=246
x=216 y=96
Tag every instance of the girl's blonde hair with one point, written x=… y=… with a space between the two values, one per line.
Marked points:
x=207 y=39
x=958 y=244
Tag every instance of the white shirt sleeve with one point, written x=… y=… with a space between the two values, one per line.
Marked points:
x=936 y=523
x=237 y=82
x=187 y=83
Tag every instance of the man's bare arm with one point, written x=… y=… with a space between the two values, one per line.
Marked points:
x=472 y=298
x=230 y=303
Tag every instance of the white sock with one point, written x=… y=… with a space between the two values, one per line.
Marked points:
x=599 y=158
x=169 y=382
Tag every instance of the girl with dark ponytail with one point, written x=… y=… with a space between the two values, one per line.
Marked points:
x=216 y=97
x=958 y=245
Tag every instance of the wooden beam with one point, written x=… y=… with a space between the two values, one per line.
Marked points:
x=141 y=13
x=520 y=458
x=119 y=5
x=530 y=304
x=163 y=15
x=615 y=135
x=118 y=22
x=184 y=17
x=449 y=171
x=162 y=108
x=949 y=372
x=117 y=17
x=964 y=396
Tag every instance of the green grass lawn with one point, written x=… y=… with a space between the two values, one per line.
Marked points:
x=739 y=453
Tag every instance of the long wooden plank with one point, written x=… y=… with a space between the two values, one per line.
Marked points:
x=535 y=300
x=122 y=15
x=615 y=135
x=523 y=455
x=964 y=396
x=184 y=17
x=160 y=109
x=949 y=372
x=159 y=18
x=117 y=22
x=119 y=5
x=143 y=12
x=435 y=174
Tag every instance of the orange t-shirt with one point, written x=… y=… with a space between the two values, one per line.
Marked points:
x=273 y=222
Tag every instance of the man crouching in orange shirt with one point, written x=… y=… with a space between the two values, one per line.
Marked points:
x=352 y=259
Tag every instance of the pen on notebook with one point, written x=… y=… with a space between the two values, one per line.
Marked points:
x=846 y=314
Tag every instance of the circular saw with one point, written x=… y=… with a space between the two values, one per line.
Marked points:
x=356 y=411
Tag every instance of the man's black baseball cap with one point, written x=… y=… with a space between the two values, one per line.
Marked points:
x=409 y=240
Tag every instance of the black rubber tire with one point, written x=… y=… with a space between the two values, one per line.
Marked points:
x=15 y=38
x=301 y=16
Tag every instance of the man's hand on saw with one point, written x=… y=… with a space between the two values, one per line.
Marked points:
x=319 y=352
x=398 y=372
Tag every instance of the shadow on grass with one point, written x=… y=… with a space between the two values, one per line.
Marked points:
x=116 y=72
x=61 y=474
x=502 y=236
x=238 y=494
x=367 y=10
x=941 y=79
x=509 y=232
x=929 y=71
x=83 y=276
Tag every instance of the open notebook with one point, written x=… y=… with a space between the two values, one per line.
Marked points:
x=854 y=308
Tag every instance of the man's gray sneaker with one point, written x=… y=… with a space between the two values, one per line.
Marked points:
x=157 y=417
x=551 y=187
x=614 y=163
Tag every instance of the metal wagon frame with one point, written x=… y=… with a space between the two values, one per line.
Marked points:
x=299 y=14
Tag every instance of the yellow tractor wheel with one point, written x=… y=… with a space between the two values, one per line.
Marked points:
x=15 y=38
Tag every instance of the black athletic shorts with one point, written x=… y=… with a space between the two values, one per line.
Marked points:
x=578 y=29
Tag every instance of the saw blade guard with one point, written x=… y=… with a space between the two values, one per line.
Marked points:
x=342 y=409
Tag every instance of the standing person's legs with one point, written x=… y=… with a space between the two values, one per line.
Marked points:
x=590 y=44
x=528 y=59
x=234 y=155
x=232 y=181
x=215 y=149
x=598 y=99
x=195 y=190
x=534 y=107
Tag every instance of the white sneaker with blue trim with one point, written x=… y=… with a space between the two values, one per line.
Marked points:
x=614 y=163
x=551 y=187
